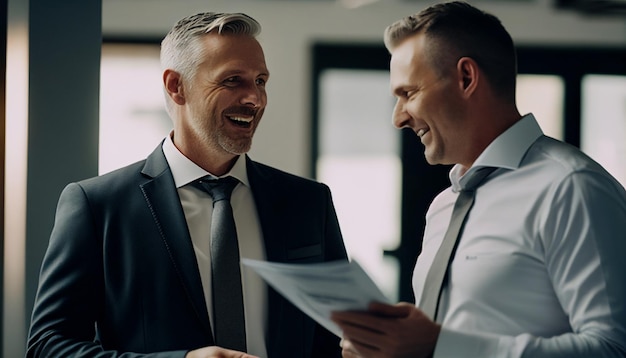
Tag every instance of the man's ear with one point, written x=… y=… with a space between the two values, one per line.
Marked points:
x=173 y=83
x=468 y=74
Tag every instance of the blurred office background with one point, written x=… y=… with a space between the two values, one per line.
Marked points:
x=81 y=95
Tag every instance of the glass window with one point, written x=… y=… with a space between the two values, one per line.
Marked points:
x=133 y=120
x=359 y=159
x=603 y=122
x=543 y=95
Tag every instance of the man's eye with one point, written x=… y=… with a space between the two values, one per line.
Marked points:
x=232 y=81
x=261 y=81
x=409 y=94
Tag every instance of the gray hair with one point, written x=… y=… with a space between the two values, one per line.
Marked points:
x=180 y=50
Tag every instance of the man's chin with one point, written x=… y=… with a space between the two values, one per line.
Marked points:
x=432 y=159
x=237 y=148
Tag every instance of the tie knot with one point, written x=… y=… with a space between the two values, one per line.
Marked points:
x=477 y=178
x=218 y=189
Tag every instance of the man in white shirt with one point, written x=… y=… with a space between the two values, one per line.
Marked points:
x=129 y=267
x=538 y=269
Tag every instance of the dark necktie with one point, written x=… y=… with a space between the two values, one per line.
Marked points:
x=436 y=277
x=228 y=314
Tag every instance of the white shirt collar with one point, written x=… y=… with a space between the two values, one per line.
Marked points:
x=185 y=171
x=506 y=151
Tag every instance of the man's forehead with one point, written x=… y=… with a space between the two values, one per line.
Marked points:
x=401 y=60
x=409 y=46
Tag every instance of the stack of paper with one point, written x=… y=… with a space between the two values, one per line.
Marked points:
x=321 y=288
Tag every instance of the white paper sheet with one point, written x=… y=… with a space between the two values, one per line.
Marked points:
x=321 y=288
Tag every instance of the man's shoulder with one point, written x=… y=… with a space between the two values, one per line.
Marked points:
x=117 y=182
x=562 y=158
x=270 y=173
x=122 y=174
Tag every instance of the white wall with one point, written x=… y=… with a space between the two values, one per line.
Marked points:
x=290 y=27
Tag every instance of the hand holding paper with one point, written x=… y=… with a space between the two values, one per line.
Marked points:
x=321 y=288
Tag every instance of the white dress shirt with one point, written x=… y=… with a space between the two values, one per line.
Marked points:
x=540 y=270
x=198 y=208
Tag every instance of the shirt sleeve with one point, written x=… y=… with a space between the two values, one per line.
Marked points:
x=583 y=233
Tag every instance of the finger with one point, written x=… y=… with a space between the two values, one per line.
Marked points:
x=362 y=336
x=350 y=350
x=360 y=349
x=350 y=354
x=357 y=329
x=399 y=310
x=363 y=320
x=347 y=346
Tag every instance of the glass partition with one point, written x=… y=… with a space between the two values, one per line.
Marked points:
x=133 y=120
x=359 y=159
x=603 y=122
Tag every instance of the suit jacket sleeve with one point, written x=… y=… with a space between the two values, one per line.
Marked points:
x=71 y=289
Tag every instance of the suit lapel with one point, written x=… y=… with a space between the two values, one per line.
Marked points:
x=285 y=338
x=163 y=201
x=267 y=201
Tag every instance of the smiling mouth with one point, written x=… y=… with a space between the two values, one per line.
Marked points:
x=421 y=132
x=241 y=121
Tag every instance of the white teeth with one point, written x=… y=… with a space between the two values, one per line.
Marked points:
x=242 y=119
x=421 y=132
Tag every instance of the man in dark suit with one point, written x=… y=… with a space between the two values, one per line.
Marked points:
x=127 y=270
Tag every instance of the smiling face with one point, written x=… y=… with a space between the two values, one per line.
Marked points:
x=428 y=102
x=222 y=105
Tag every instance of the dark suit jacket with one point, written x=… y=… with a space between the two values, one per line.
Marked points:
x=120 y=263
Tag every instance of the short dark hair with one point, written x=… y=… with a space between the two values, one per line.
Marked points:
x=457 y=29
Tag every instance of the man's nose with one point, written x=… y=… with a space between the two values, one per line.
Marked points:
x=253 y=96
x=400 y=117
